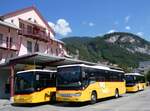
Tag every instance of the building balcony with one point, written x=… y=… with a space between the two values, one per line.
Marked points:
x=14 y=46
x=33 y=30
x=34 y=35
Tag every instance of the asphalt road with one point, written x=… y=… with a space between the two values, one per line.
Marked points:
x=139 y=101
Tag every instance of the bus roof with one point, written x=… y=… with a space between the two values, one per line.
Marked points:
x=96 y=67
x=136 y=74
x=34 y=70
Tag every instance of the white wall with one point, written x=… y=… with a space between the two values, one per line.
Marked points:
x=23 y=48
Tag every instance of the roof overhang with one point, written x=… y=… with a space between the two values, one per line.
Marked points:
x=6 y=24
x=45 y=60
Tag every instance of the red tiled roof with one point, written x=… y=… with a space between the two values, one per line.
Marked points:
x=8 y=15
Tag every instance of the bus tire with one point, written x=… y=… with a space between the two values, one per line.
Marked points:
x=116 y=93
x=93 y=97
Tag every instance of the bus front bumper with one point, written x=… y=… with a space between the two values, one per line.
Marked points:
x=70 y=98
x=19 y=99
x=132 y=89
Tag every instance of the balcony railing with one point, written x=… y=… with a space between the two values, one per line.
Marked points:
x=35 y=35
x=4 y=44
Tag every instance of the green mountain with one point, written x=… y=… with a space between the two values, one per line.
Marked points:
x=124 y=49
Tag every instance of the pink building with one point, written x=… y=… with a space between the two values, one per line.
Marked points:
x=23 y=32
x=8 y=41
x=29 y=33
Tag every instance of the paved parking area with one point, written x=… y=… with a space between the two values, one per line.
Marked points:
x=139 y=101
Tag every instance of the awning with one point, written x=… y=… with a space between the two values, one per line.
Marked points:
x=45 y=60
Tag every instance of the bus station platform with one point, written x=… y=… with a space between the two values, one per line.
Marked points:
x=30 y=61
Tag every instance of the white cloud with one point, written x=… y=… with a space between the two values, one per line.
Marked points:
x=91 y=24
x=111 y=31
x=127 y=18
x=61 y=27
x=128 y=28
x=140 y=33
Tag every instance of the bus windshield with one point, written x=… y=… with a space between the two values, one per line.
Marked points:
x=24 y=83
x=28 y=82
x=130 y=79
x=69 y=76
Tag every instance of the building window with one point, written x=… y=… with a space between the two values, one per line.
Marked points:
x=29 y=46
x=12 y=21
x=7 y=42
x=21 y=25
x=1 y=56
x=29 y=29
x=35 y=21
x=29 y=18
x=57 y=52
x=36 y=48
x=52 y=41
x=52 y=51
x=11 y=55
x=1 y=38
x=57 y=43
x=11 y=41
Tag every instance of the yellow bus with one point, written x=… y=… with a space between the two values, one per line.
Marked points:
x=134 y=82
x=80 y=83
x=35 y=86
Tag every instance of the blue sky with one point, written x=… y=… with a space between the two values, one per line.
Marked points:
x=89 y=17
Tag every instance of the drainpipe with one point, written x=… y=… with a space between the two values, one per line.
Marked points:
x=12 y=71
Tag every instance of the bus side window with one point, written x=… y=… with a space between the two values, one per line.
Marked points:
x=100 y=75
x=111 y=76
x=114 y=76
x=45 y=79
x=52 y=80
x=85 y=77
x=86 y=74
x=136 y=79
x=107 y=75
x=120 y=77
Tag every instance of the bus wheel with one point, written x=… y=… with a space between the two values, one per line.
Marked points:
x=93 y=97
x=116 y=93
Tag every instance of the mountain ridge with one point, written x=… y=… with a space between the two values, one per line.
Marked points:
x=124 y=49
